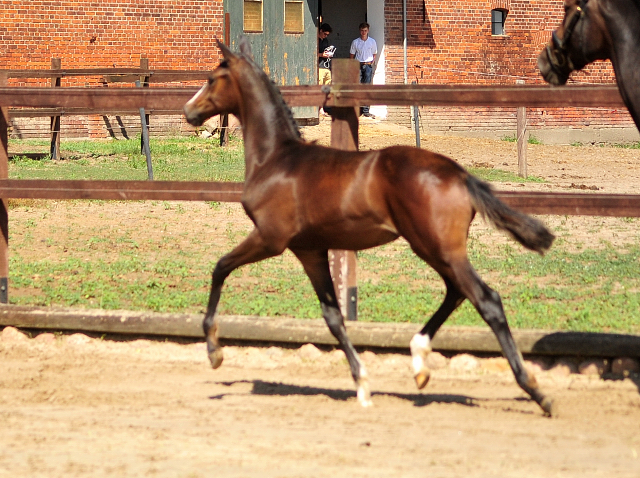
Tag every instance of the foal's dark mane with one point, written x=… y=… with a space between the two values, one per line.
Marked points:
x=275 y=96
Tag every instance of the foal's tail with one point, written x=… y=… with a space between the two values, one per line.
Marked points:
x=525 y=229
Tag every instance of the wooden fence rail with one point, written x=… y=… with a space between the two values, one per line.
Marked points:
x=174 y=98
x=344 y=96
x=113 y=75
x=532 y=202
x=142 y=76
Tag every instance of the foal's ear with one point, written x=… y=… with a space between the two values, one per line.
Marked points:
x=245 y=47
x=226 y=53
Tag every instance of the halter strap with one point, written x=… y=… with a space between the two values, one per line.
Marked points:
x=558 y=55
x=561 y=43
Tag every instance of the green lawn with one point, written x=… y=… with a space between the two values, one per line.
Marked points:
x=591 y=286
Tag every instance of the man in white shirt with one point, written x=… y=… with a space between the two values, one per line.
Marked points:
x=364 y=49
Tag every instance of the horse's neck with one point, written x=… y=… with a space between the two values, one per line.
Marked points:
x=266 y=125
x=622 y=18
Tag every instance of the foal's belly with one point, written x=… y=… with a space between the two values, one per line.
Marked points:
x=346 y=235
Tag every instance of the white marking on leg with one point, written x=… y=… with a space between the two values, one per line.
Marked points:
x=420 y=346
x=364 y=394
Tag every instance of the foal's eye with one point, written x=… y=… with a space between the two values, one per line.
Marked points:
x=211 y=80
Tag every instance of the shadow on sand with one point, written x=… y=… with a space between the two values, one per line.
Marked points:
x=260 y=387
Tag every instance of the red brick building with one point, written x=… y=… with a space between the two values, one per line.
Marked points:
x=446 y=42
x=171 y=34
x=452 y=42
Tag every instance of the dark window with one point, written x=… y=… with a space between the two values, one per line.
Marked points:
x=252 y=16
x=293 y=16
x=498 y=16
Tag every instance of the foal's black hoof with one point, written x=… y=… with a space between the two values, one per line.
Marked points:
x=215 y=357
x=549 y=407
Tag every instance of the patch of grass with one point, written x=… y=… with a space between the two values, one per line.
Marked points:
x=187 y=159
x=635 y=145
x=576 y=286
x=534 y=140
x=589 y=290
x=500 y=175
x=512 y=139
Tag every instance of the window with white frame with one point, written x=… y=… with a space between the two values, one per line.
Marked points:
x=498 y=16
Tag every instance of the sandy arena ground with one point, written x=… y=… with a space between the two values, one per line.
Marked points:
x=74 y=406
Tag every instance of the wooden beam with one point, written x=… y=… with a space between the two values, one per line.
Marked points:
x=118 y=74
x=343 y=95
x=576 y=204
x=534 y=202
x=296 y=331
x=121 y=190
x=457 y=95
x=45 y=112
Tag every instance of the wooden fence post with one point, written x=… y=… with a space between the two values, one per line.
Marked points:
x=522 y=137
x=344 y=135
x=56 y=81
x=4 y=216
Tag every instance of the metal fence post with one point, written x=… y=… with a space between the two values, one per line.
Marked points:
x=56 y=81
x=144 y=65
x=522 y=137
x=144 y=136
x=4 y=215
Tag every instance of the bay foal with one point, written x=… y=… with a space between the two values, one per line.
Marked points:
x=311 y=198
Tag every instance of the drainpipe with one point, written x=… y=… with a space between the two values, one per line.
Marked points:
x=404 y=40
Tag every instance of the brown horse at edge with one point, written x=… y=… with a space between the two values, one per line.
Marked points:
x=597 y=30
x=310 y=198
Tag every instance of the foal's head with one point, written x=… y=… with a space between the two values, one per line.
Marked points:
x=580 y=39
x=221 y=93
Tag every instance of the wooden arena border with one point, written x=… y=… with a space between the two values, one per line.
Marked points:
x=344 y=96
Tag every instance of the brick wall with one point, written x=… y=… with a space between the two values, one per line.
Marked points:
x=172 y=34
x=451 y=42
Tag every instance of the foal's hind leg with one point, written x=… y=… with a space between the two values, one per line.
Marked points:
x=421 y=342
x=252 y=249
x=316 y=265
x=489 y=305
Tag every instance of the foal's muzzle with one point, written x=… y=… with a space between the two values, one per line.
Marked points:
x=192 y=117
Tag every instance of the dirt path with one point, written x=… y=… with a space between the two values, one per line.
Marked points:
x=74 y=406
x=604 y=169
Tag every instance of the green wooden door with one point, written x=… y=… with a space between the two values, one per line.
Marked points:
x=283 y=37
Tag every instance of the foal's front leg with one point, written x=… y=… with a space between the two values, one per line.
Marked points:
x=252 y=249
x=316 y=265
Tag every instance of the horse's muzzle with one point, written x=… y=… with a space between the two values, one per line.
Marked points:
x=192 y=117
x=547 y=65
